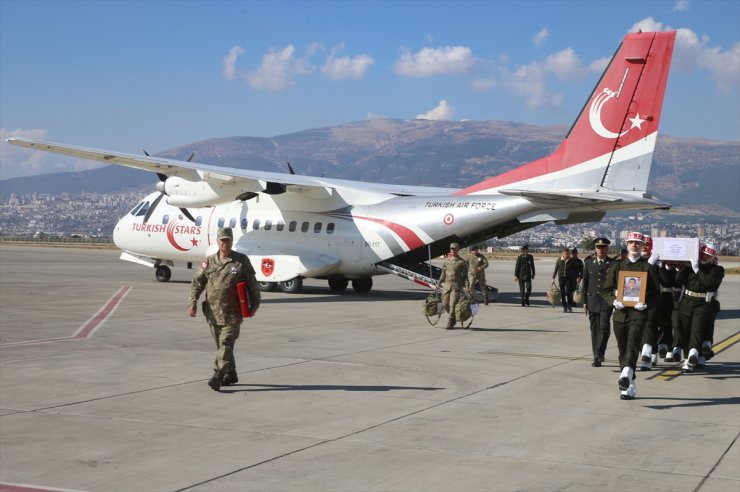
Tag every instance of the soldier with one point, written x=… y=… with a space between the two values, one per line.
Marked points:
x=579 y=268
x=658 y=334
x=695 y=309
x=567 y=272
x=524 y=274
x=477 y=271
x=455 y=273
x=629 y=322
x=598 y=311
x=219 y=275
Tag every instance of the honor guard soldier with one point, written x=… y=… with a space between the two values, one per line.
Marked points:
x=477 y=264
x=695 y=310
x=524 y=274
x=598 y=310
x=455 y=276
x=219 y=275
x=629 y=322
x=658 y=335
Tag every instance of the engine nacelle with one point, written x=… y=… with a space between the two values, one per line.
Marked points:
x=185 y=193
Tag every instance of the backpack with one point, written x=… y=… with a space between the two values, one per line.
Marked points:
x=463 y=310
x=432 y=304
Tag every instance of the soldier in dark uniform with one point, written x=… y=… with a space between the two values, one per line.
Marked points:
x=218 y=275
x=455 y=276
x=477 y=271
x=695 y=310
x=629 y=322
x=657 y=338
x=524 y=274
x=567 y=273
x=598 y=310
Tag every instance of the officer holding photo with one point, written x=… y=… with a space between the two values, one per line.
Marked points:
x=218 y=275
x=630 y=322
x=598 y=310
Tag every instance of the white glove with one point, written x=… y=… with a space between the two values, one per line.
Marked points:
x=641 y=306
x=653 y=258
x=695 y=265
x=617 y=304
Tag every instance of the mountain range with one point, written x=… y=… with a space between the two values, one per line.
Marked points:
x=685 y=172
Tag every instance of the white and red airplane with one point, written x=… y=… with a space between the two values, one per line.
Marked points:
x=294 y=227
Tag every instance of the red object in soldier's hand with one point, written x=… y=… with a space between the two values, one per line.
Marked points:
x=241 y=288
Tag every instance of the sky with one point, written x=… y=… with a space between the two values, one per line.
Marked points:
x=154 y=75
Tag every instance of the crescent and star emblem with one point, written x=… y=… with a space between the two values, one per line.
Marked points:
x=594 y=113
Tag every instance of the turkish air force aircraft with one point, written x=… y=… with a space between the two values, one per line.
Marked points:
x=295 y=227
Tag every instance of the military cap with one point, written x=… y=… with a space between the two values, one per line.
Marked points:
x=454 y=246
x=526 y=246
x=225 y=233
x=601 y=241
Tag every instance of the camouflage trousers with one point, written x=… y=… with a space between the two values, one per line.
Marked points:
x=225 y=337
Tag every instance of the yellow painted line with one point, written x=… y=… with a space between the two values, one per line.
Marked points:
x=673 y=372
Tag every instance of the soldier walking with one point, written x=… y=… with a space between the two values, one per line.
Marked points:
x=455 y=277
x=524 y=274
x=597 y=309
x=219 y=275
x=477 y=271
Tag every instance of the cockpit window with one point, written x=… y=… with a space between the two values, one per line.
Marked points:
x=136 y=208
x=143 y=210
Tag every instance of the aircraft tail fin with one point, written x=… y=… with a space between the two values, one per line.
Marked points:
x=610 y=145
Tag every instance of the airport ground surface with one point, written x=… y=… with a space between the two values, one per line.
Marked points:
x=103 y=387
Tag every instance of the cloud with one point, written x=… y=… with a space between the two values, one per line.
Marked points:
x=681 y=6
x=277 y=71
x=19 y=161
x=230 y=62
x=541 y=36
x=450 y=60
x=692 y=52
x=345 y=67
x=484 y=84
x=443 y=111
x=565 y=65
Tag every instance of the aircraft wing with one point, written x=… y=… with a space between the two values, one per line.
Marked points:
x=247 y=180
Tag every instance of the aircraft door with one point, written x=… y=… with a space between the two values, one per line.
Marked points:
x=349 y=241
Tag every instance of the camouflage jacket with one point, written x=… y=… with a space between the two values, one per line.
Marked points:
x=454 y=273
x=218 y=277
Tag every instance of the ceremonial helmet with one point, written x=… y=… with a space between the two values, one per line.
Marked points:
x=648 y=245
x=708 y=249
x=636 y=236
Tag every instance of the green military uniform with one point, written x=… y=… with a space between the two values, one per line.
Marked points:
x=477 y=264
x=219 y=277
x=524 y=274
x=455 y=276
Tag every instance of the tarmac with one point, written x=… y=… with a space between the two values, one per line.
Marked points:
x=103 y=388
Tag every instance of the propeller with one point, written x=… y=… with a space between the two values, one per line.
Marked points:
x=163 y=178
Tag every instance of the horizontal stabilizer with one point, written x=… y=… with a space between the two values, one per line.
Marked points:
x=563 y=197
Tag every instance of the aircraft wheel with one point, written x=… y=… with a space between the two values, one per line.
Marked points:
x=292 y=286
x=338 y=283
x=268 y=286
x=362 y=285
x=163 y=273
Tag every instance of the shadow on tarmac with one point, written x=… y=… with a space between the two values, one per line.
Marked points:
x=693 y=402
x=318 y=387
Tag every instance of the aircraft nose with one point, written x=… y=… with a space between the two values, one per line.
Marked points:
x=118 y=234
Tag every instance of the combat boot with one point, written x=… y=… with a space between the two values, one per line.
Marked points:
x=230 y=379
x=630 y=393
x=625 y=378
x=215 y=381
x=451 y=323
x=662 y=350
x=706 y=348
x=693 y=357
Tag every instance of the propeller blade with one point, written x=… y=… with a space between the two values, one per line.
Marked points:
x=152 y=207
x=191 y=156
x=187 y=214
x=290 y=168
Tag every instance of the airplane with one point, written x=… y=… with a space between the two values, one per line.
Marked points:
x=294 y=226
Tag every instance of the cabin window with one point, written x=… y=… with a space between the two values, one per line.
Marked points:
x=256 y=224
x=232 y=223
x=165 y=219
x=221 y=221
x=304 y=227
x=293 y=224
x=280 y=225
x=330 y=228
x=198 y=220
x=268 y=225
x=244 y=224
x=317 y=227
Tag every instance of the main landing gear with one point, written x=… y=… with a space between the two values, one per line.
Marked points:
x=337 y=283
x=163 y=273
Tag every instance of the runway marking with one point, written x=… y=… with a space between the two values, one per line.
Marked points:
x=22 y=487
x=675 y=371
x=88 y=328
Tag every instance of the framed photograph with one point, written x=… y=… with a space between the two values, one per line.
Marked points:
x=632 y=288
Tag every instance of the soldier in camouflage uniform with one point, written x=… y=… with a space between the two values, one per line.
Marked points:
x=477 y=268
x=218 y=275
x=455 y=276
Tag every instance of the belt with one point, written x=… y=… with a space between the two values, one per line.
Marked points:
x=668 y=289
x=698 y=294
